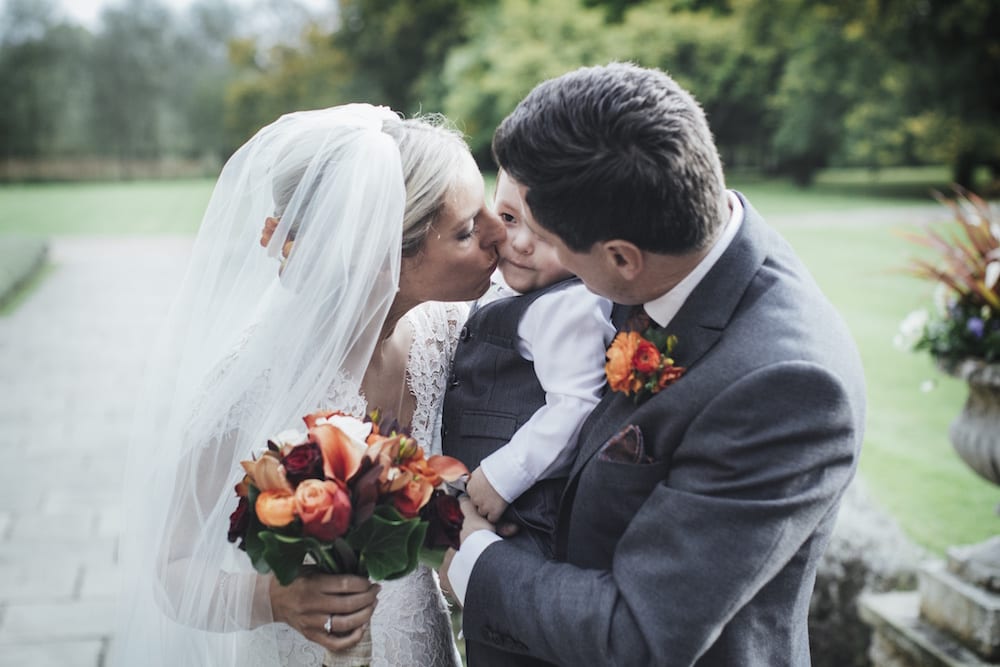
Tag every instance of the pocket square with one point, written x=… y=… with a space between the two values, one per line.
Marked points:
x=625 y=447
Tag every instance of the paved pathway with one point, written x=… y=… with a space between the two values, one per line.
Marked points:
x=70 y=363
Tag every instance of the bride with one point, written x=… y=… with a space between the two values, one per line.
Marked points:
x=368 y=222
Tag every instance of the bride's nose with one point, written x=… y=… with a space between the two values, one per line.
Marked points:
x=491 y=230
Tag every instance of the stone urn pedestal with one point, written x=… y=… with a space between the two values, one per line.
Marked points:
x=975 y=432
x=954 y=616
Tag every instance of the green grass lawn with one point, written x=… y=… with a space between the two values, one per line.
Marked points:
x=907 y=462
x=135 y=207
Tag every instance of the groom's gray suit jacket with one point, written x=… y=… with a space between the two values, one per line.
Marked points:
x=705 y=553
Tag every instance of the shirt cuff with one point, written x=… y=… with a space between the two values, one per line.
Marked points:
x=465 y=559
x=505 y=472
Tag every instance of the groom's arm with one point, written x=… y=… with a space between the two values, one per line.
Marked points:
x=758 y=469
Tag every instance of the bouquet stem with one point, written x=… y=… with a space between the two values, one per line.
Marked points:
x=359 y=655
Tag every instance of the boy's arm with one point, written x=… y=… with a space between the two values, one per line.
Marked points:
x=565 y=333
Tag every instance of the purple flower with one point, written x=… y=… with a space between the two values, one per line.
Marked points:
x=975 y=327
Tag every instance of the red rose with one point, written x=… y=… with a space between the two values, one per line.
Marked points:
x=324 y=507
x=646 y=358
x=239 y=521
x=444 y=521
x=303 y=462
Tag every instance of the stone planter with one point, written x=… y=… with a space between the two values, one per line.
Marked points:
x=954 y=618
x=975 y=433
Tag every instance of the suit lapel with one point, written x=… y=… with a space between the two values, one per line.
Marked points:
x=698 y=325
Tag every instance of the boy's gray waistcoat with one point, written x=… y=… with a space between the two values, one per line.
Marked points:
x=492 y=392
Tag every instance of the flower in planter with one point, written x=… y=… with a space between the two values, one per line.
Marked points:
x=965 y=321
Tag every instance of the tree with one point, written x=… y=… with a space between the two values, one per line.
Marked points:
x=130 y=54
x=197 y=77
x=315 y=74
x=398 y=48
x=951 y=49
x=513 y=45
x=42 y=67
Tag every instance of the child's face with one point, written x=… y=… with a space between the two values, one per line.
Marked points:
x=526 y=262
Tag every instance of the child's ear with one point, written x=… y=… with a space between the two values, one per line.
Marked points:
x=624 y=257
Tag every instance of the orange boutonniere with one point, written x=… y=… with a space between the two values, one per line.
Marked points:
x=640 y=365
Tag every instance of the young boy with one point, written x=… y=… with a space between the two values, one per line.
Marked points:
x=528 y=369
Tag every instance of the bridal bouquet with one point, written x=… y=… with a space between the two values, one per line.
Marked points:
x=350 y=498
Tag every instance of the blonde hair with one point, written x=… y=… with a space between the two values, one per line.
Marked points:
x=431 y=153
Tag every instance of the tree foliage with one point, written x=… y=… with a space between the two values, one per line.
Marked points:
x=788 y=87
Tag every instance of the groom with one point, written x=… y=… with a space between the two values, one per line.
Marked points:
x=694 y=517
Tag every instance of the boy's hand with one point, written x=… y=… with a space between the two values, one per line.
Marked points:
x=488 y=502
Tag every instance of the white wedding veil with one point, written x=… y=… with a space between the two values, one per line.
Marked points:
x=245 y=352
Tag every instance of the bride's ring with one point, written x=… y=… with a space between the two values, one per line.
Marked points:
x=328 y=626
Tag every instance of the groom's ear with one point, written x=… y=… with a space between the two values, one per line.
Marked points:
x=624 y=257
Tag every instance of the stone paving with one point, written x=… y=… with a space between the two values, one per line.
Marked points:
x=71 y=358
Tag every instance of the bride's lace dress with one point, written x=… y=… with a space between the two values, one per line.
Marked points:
x=411 y=625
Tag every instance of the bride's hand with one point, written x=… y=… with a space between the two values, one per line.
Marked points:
x=306 y=604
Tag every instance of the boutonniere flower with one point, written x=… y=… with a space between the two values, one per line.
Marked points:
x=640 y=365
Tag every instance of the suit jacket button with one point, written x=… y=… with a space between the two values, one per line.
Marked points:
x=465 y=334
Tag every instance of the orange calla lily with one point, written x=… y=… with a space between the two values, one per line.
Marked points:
x=267 y=474
x=393 y=479
x=411 y=498
x=311 y=419
x=421 y=469
x=449 y=469
x=341 y=456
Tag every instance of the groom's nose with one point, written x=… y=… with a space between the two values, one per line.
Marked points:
x=491 y=230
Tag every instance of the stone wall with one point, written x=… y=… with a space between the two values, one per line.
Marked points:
x=867 y=552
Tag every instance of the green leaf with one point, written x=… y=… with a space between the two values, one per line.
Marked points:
x=432 y=557
x=254 y=545
x=413 y=547
x=387 y=543
x=285 y=558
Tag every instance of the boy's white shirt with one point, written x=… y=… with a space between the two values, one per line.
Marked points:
x=565 y=333
x=662 y=310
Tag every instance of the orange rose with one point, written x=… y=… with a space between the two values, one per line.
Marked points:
x=324 y=507
x=275 y=508
x=669 y=375
x=619 y=366
x=646 y=358
x=412 y=497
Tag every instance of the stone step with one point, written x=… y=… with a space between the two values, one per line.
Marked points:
x=967 y=611
x=902 y=639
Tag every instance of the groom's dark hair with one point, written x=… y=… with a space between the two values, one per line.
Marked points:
x=616 y=151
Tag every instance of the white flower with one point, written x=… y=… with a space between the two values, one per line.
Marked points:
x=943 y=298
x=911 y=329
x=290 y=438
x=927 y=386
x=355 y=429
x=992 y=274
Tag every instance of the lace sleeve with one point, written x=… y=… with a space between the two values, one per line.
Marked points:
x=435 y=337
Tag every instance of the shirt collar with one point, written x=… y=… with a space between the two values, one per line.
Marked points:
x=663 y=308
